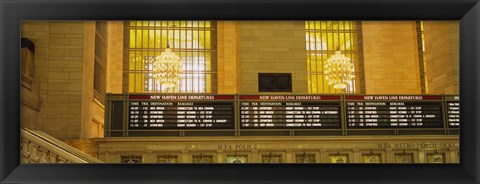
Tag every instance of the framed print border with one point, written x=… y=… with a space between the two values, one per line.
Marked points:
x=12 y=12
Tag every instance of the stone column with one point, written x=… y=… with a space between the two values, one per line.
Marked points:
x=321 y=156
x=289 y=157
x=149 y=157
x=255 y=156
x=389 y=156
x=185 y=157
x=421 y=156
x=357 y=156
x=454 y=157
x=442 y=56
x=221 y=157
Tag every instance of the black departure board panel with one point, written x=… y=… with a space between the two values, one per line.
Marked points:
x=279 y=115
x=290 y=111
x=180 y=112
x=452 y=103
x=393 y=111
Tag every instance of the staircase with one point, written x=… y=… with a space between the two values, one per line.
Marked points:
x=38 y=147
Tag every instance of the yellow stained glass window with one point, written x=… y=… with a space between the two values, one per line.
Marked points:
x=191 y=41
x=322 y=40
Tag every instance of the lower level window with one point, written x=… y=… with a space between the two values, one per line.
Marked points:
x=202 y=159
x=168 y=159
x=305 y=158
x=272 y=158
x=131 y=159
x=238 y=159
x=371 y=158
x=338 y=158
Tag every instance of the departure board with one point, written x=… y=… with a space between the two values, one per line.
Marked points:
x=452 y=103
x=180 y=111
x=279 y=114
x=290 y=111
x=393 y=111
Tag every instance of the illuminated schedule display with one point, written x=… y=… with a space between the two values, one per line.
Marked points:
x=290 y=111
x=452 y=103
x=180 y=111
x=394 y=111
x=243 y=114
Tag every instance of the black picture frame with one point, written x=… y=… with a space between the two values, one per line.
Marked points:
x=14 y=11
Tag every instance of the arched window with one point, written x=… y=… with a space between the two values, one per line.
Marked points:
x=194 y=42
x=322 y=40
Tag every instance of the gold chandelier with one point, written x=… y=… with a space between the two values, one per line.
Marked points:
x=339 y=69
x=167 y=68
